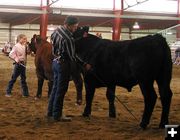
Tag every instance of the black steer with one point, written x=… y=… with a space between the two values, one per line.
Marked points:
x=127 y=63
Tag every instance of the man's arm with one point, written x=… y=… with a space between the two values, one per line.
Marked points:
x=83 y=63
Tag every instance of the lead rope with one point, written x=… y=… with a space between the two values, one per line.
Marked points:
x=128 y=110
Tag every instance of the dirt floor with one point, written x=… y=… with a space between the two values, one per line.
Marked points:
x=24 y=118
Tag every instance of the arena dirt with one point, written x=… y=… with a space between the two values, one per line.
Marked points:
x=24 y=118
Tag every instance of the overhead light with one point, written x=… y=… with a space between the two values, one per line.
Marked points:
x=136 y=25
x=51 y=27
x=169 y=33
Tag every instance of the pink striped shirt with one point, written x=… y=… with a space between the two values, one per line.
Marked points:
x=18 y=53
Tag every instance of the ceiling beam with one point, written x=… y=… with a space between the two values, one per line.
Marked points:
x=22 y=11
x=27 y=20
x=137 y=3
x=91 y=14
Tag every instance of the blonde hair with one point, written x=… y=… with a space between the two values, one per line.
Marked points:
x=19 y=37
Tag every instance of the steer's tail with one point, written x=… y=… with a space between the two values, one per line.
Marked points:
x=163 y=81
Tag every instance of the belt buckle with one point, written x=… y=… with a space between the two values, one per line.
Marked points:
x=61 y=60
x=22 y=62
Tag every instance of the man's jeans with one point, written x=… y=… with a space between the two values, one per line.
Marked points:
x=19 y=70
x=62 y=71
x=55 y=90
x=61 y=80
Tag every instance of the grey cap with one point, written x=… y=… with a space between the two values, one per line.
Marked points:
x=71 y=20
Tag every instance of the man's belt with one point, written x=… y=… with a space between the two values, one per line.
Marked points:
x=22 y=62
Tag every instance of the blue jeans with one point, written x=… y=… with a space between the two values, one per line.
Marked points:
x=19 y=70
x=61 y=73
x=53 y=97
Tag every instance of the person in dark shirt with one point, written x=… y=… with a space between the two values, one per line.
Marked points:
x=63 y=65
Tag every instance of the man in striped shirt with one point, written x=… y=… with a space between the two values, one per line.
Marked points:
x=64 y=64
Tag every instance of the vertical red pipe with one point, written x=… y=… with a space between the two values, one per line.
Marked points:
x=130 y=33
x=10 y=33
x=178 y=28
x=44 y=20
x=117 y=21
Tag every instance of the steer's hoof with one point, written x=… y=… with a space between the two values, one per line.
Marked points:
x=79 y=102
x=112 y=115
x=36 y=98
x=143 y=125
x=86 y=115
x=161 y=126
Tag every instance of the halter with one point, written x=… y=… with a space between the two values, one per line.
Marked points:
x=85 y=34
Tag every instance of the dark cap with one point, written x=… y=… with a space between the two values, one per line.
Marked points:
x=71 y=20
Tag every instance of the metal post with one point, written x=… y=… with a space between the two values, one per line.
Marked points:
x=44 y=20
x=10 y=33
x=178 y=28
x=117 y=21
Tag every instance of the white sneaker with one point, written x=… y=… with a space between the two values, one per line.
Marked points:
x=65 y=119
x=8 y=95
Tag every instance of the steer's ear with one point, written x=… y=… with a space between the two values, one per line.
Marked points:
x=85 y=34
x=86 y=28
x=38 y=39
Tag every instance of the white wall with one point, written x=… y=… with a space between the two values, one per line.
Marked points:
x=4 y=33
x=30 y=29
x=7 y=35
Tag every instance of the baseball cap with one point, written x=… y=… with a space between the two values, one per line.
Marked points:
x=71 y=20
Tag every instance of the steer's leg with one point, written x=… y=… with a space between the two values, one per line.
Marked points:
x=40 y=84
x=90 y=90
x=166 y=95
x=79 y=85
x=149 y=102
x=110 y=94
x=50 y=85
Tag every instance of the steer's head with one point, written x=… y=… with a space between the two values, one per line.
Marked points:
x=81 y=32
x=35 y=40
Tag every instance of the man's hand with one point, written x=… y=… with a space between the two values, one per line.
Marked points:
x=87 y=67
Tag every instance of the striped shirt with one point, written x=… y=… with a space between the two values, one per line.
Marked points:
x=63 y=44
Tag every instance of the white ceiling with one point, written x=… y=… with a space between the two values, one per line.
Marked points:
x=153 y=6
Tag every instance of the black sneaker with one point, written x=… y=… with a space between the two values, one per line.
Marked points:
x=25 y=96
x=49 y=118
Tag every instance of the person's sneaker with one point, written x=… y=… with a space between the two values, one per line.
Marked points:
x=49 y=118
x=25 y=96
x=65 y=119
x=8 y=95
